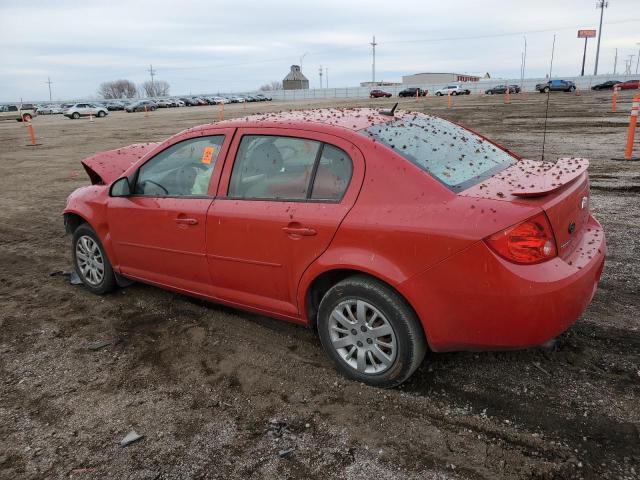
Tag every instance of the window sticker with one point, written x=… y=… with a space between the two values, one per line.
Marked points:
x=207 y=155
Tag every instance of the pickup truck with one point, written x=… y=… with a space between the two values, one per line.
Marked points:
x=556 y=86
x=453 y=90
x=19 y=113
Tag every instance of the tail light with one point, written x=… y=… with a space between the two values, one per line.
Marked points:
x=529 y=242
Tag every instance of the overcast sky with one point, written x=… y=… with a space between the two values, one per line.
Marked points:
x=207 y=46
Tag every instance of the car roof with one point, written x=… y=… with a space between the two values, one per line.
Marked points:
x=348 y=118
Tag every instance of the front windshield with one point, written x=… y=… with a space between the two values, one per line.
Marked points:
x=453 y=155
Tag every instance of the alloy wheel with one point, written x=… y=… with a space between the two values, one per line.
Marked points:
x=363 y=337
x=90 y=260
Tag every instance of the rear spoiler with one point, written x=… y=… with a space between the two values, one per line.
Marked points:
x=549 y=177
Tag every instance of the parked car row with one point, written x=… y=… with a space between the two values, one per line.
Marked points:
x=628 y=85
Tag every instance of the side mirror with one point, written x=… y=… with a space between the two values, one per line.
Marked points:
x=120 y=188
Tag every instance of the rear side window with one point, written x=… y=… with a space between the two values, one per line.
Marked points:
x=287 y=168
x=453 y=155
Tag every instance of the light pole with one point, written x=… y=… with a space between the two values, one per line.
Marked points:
x=373 y=65
x=638 y=61
x=601 y=4
x=302 y=58
x=49 y=82
x=524 y=62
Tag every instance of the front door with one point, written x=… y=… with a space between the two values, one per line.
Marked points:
x=279 y=205
x=159 y=231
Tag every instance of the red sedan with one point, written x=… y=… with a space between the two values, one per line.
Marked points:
x=389 y=232
x=629 y=85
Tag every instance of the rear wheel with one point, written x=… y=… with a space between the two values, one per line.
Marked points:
x=545 y=90
x=101 y=114
x=370 y=332
x=90 y=261
x=75 y=115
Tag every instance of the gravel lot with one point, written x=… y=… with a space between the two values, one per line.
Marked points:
x=219 y=393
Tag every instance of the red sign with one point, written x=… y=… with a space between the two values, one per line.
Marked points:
x=586 y=33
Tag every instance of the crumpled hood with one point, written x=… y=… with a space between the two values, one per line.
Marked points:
x=105 y=167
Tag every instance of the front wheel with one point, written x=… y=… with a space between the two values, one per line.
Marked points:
x=75 y=115
x=545 y=90
x=101 y=114
x=370 y=332
x=90 y=261
x=438 y=94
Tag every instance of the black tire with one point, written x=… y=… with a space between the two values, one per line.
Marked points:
x=545 y=90
x=153 y=109
x=75 y=115
x=101 y=114
x=410 y=342
x=438 y=94
x=108 y=282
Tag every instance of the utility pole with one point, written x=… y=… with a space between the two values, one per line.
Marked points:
x=638 y=61
x=601 y=4
x=302 y=58
x=320 y=72
x=373 y=65
x=628 y=64
x=152 y=72
x=49 y=82
x=326 y=76
x=615 y=62
x=523 y=62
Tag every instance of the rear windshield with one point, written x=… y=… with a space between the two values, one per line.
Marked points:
x=451 y=154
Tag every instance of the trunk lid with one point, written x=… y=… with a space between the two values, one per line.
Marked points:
x=560 y=189
x=105 y=167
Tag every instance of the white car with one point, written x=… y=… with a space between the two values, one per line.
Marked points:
x=78 y=110
x=219 y=100
x=48 y=109
x=237 y=99
x=453 y=90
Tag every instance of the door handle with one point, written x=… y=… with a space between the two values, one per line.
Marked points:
x=302 y=231
x=186 y=221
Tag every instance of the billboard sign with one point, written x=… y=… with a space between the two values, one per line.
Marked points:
x=586 y=33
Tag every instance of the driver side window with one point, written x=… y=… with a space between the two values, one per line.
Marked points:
x=182 y=170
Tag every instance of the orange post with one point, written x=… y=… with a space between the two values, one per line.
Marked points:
x=90 y=117
x=633 y=121
x=507 y=94
x=614 y=100
x=220 y=111
x=32 y=134
x=449 y=100
x=146 y=113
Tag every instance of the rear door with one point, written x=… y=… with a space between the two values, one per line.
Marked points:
x=282 y=196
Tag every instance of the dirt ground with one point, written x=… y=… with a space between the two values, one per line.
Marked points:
x=219 y=393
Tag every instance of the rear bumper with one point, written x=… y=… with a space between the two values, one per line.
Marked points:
x=476 y=300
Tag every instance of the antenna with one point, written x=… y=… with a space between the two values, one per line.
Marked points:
x=389 y=111
x=546 y=113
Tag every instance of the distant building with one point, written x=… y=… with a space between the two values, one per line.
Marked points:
x=425 y=78
x=295 y=80
x=379 y=84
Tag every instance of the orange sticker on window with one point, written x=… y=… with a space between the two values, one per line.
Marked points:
x=207 y=155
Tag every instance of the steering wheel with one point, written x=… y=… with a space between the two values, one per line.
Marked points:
x=157 y=185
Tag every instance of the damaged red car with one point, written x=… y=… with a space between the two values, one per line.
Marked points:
x=391 y=233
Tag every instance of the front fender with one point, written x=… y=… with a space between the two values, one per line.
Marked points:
x=90 y=204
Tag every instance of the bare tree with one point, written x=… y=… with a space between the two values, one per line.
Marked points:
x=117 y=89
x=275 y=85
x=158 y=88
